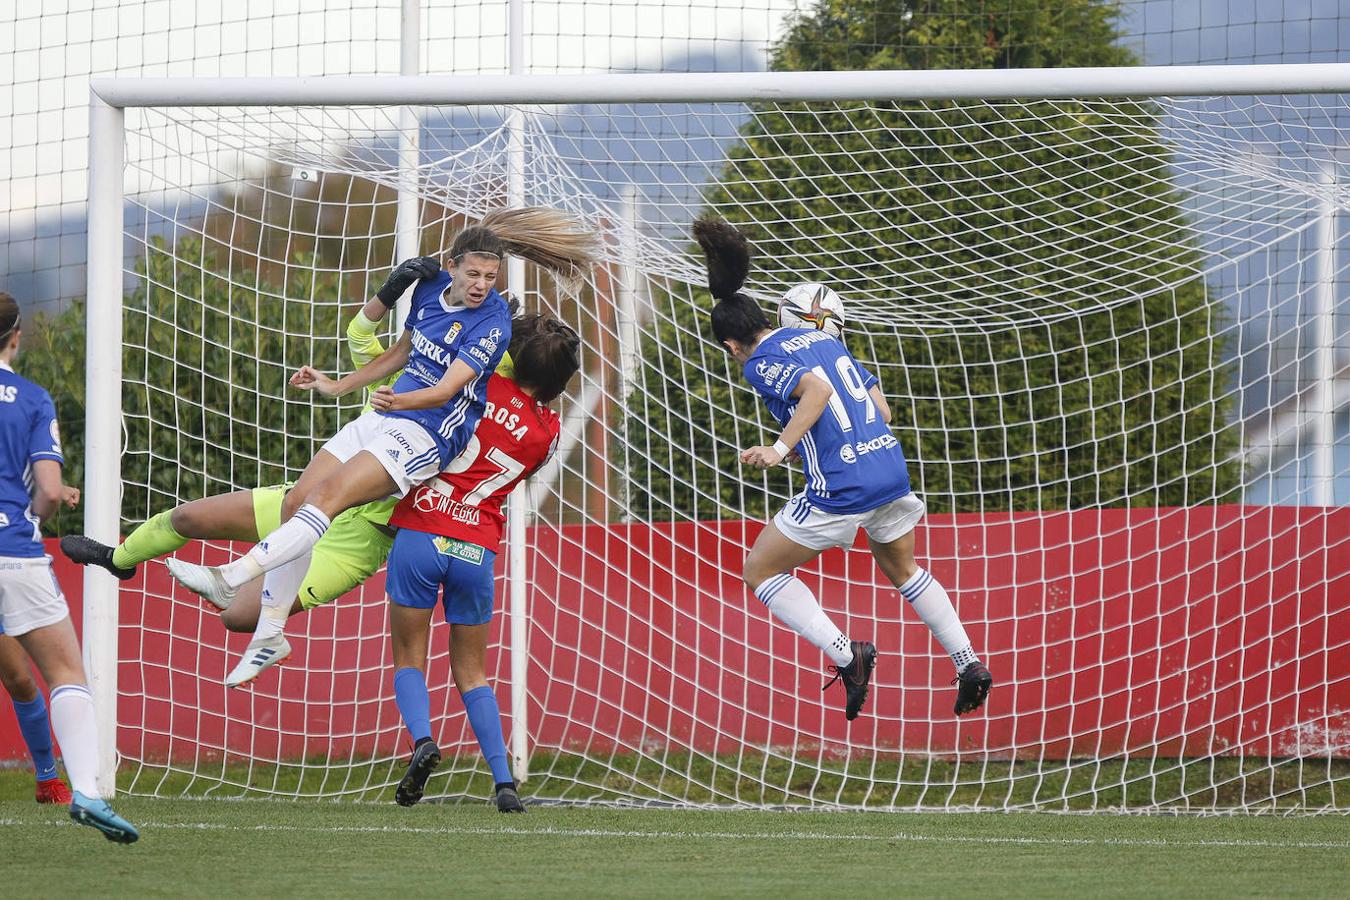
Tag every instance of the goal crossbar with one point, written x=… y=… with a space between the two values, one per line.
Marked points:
x=729 y=87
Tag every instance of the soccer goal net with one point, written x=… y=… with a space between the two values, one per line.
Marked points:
x=1107 y=328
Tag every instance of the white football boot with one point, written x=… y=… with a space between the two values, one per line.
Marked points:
x=203 y=580
x=260 y=655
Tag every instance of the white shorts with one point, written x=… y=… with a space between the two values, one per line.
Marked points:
x=30 y=598
x=405 y=449
x=812 y=527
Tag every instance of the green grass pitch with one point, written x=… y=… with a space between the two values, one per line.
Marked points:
x=199 y=847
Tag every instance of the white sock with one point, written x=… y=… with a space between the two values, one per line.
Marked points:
x=793 y=604
x=931 y=602
x=76 y=730
x=278 y=595
x=295 y=536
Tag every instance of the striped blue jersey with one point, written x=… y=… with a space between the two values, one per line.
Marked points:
x=28 y=433
x=851 y=461
x=442 y=334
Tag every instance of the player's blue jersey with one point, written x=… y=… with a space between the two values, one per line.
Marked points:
x=442 y=334
x=28 y=432
x=851 y=461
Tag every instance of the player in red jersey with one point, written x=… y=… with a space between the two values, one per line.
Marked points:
x=449 y=532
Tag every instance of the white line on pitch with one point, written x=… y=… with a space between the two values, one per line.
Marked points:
x=720 y=835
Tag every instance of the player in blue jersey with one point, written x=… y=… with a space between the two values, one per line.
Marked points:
x=836 y=418
x=32 y=607
x=457 y=330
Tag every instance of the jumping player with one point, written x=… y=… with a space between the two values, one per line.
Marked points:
x=32 y=608
x=449 y=532
x=836 y=418
x=457 y=331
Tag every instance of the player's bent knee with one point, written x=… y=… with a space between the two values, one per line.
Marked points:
x=189 y=522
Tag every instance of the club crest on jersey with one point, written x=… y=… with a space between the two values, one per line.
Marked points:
x=453 y=332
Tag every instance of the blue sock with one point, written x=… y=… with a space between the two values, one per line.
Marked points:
x=37 y=734
x=410 y=692
x=486 y=719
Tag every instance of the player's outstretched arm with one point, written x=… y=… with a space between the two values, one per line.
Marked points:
x=381 y=367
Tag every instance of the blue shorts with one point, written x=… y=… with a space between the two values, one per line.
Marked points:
x=423 y=565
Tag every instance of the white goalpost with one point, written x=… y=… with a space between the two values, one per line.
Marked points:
x=1082 y=289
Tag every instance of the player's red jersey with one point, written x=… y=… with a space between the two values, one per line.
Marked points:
x=514 y=438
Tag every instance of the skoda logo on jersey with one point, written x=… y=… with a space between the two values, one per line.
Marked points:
x=453 y=333
x=846 y=453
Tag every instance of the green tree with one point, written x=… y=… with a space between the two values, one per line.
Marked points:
x=1120 y=400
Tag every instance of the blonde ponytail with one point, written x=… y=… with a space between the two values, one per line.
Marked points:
x=547 y=237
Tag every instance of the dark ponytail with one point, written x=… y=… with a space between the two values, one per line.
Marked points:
x=546 y=354
x=727 y=253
